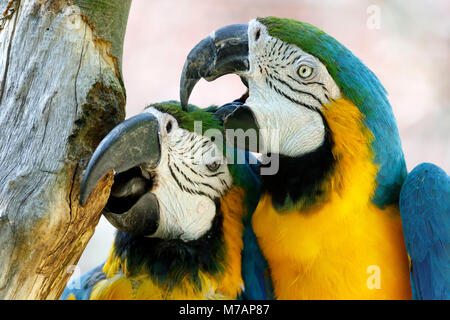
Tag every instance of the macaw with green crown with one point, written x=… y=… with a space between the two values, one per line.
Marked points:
x=182 y=212
x=341 y=218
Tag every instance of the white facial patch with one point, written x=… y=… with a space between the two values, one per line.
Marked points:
x=192 y=173
x=287 y=89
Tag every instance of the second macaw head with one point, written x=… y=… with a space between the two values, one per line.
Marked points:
x=295 y=73
x=169 y=178
x=181 y=207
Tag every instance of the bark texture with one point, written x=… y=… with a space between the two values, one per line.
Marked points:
x=61 y=92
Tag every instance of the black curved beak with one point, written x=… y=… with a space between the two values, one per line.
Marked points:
x=132 y=143
x=223 y=52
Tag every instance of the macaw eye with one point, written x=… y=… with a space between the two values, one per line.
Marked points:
x=304 y=71
x=213 y=166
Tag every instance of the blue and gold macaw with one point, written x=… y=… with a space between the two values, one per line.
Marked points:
x=328 y=222
x=182 y=212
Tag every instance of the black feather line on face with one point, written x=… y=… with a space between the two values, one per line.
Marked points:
x=296 y=90
x=282 y=93
x=169 y=262
x=302 y=179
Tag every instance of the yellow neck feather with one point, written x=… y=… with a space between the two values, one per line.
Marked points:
x=120 y=285
x=325 y=253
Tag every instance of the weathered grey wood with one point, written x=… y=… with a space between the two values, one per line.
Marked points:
x=61 y=92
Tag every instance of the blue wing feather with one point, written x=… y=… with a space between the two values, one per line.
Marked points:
x=425 y=211
x=255 y=270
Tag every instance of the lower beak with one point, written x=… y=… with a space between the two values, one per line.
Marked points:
x=132 y=143
x=223 y=52
x=242 y=129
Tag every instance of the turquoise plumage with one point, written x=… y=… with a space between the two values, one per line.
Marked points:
x=425 y=211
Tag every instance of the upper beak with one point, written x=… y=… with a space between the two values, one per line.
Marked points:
x=223 y=52
x=132 y=143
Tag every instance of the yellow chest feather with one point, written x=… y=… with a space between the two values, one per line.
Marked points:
x=332 y=255
x=121 y=287
x=346 y=247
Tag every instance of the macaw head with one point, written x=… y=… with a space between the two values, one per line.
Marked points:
x=301 y=83
x=179 y=205
x=169 y=179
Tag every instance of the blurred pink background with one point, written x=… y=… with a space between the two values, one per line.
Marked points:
x=409 y=52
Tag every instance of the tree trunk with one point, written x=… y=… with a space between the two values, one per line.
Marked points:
x=61 y=92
